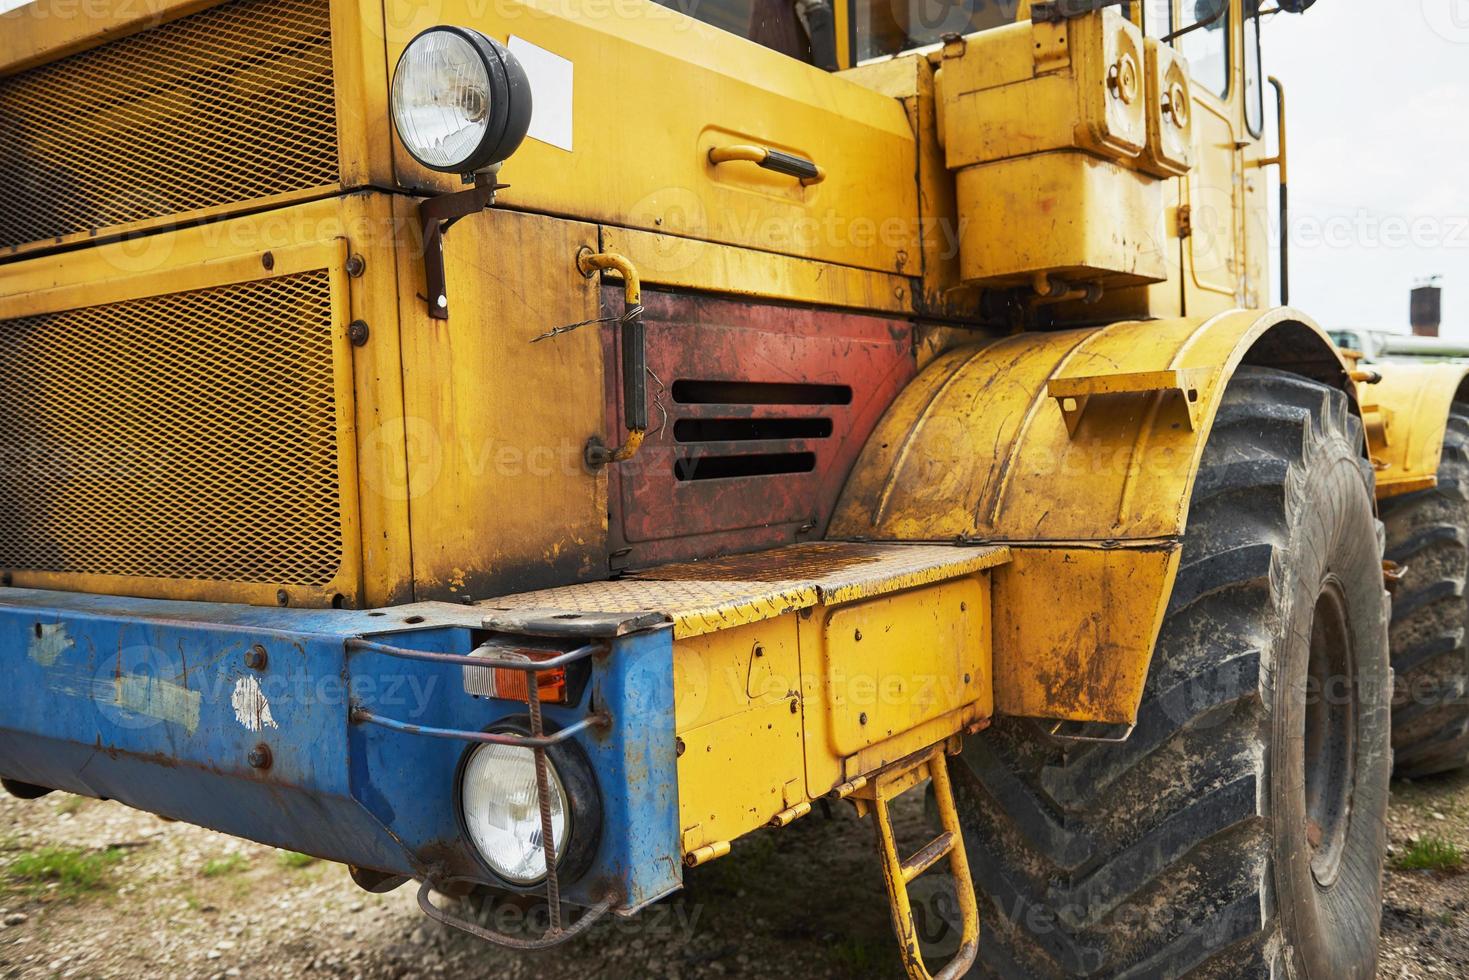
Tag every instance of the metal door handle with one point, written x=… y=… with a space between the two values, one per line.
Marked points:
x=806 y=171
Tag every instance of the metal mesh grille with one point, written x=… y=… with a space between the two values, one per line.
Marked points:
x=230 y=104
x=190 y=436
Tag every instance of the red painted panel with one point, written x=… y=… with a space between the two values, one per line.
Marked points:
x=761 y=413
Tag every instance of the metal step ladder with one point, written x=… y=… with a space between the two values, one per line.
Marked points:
x=898 y=873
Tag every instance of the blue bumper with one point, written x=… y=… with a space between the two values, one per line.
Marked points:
x=170 y=707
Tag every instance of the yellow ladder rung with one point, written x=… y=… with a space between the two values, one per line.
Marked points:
x=898 y=873
x=932 y=853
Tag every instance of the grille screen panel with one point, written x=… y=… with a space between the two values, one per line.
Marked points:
x=189 y=436
x=227 y=105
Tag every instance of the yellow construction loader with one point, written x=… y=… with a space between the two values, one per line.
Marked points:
x=525 y=447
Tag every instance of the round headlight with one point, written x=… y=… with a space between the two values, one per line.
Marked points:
x=461 y=102
x=502 y=813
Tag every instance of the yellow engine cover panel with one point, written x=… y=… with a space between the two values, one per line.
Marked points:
x=1030 y=88
x=736 y=701
x=650 y=95
x=1065 y=213
x=494 y=425
x=893 y=663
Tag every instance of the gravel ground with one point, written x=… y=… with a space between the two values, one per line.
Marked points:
x=162 y=900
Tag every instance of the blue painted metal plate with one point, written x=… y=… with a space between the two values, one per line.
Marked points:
x=152 y=703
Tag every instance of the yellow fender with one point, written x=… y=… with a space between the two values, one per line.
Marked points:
x=1406 y=415
x=1078 y=448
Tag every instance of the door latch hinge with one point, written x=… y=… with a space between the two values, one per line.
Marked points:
x=1185 y=221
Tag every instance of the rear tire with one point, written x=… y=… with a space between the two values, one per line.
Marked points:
x=1426 y=533
x=1239 y=831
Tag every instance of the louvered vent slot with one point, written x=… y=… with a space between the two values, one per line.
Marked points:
x=771 y=417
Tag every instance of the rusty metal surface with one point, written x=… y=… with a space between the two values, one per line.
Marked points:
x=759 y=412
x=703 y=597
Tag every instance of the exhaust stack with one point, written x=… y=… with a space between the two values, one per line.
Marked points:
x=1426 y=309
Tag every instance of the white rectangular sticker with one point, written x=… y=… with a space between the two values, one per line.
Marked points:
x=550 y=86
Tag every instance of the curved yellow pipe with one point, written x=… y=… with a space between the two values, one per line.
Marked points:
x=590 y=263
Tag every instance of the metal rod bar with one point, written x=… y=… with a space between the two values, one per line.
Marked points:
x=598 y=719
x=929 y=855
x=464 y=660
x=1197 y=25
x=543 y=800
x=590 y=917
x=1281 y=159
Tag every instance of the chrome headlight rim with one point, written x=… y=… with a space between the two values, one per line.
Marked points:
x=510 y=102
x=583 y=806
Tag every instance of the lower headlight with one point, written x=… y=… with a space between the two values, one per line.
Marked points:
x=502 y=815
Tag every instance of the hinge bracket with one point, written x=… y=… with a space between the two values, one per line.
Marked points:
x=435 y=216
x=1185 y=221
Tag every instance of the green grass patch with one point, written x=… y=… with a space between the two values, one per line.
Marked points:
x=70 y=804
x=291 y=859
x=227 y=865
x=1430 y=854
x=859 y=958
x=72 y=871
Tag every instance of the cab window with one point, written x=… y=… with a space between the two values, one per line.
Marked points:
x=1254 y=78
x=773 y=23
x=1158 y=18
x=887 y=27
x=1206 y=46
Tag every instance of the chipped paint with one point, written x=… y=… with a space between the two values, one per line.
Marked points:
x=251 y=708
x=49 y=642
x=160 y=699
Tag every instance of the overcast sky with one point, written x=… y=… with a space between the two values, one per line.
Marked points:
x=1379 y=156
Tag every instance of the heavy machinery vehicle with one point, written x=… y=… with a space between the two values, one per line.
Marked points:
x=1421 y=406
x=548 y=514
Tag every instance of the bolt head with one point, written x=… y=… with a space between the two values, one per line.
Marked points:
x=256 y=657
x=259 y=757
x=268 y=261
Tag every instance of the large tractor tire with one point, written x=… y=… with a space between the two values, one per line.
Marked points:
x=1238 y=832
x=1426 y=534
